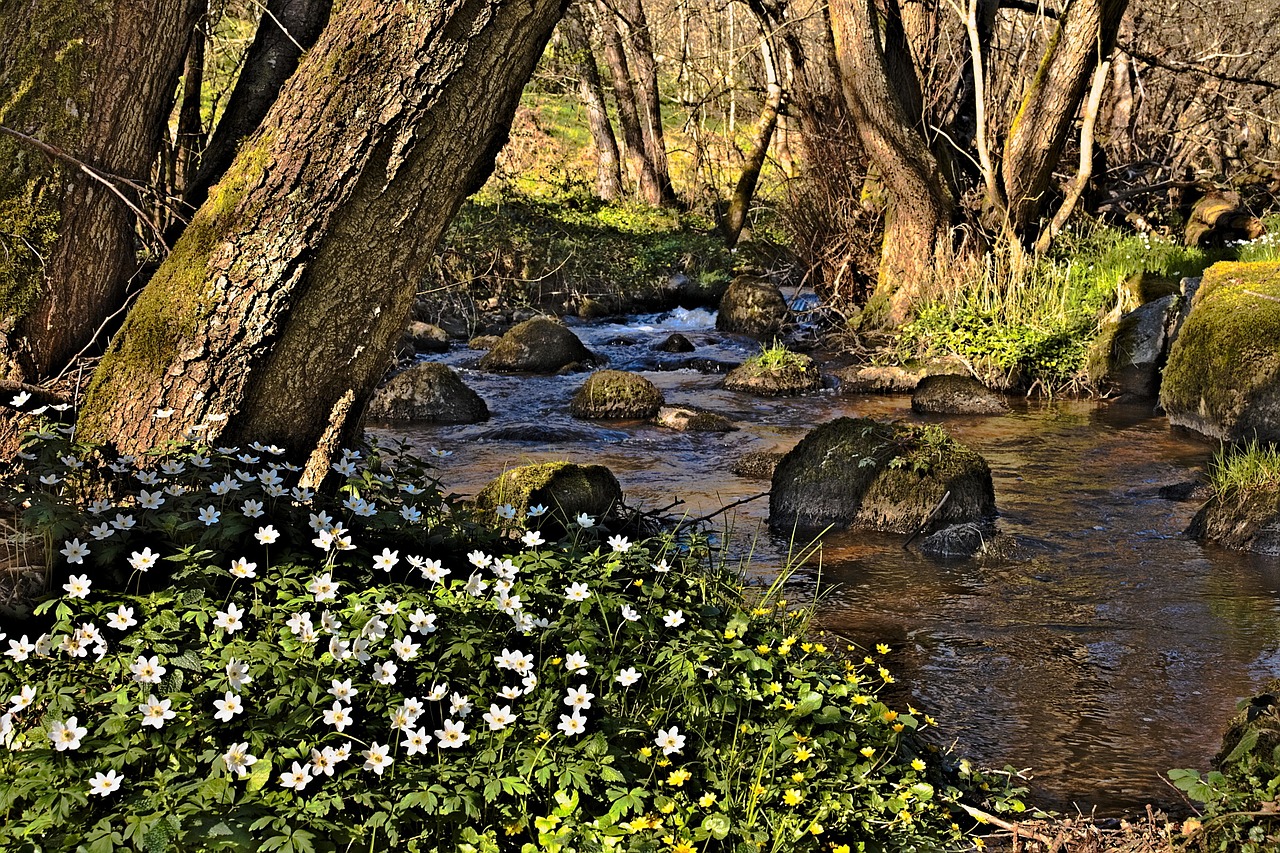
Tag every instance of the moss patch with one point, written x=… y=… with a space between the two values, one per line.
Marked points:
x=567 y=489
x=616 y=394
x=1223 y=374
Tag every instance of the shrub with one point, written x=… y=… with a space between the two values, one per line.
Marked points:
x=239 y=663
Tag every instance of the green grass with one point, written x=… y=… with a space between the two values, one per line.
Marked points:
x=777 y=358
x=1241 y=470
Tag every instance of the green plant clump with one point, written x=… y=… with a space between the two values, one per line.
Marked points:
x=776 y=358
x=1244 y=470
x=236 y=662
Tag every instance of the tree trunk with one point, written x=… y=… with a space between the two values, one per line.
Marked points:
x=745 y=190
x=280 y=306
x=636 y=29
x=1085 y=171
x=591 y=91
x=628 y=112
x=287 y=28
x=1083 y=38
x=917 y=239
x=190 y=137
x=95 y=80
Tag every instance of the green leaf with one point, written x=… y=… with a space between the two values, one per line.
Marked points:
x=718 y=825
x=808 y=703
x=260 y=775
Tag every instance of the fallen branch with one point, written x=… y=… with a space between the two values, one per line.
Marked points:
x=1018 y=831
x=9 y=390
x=925 y=524
x=727 y=507
x=1263 y=296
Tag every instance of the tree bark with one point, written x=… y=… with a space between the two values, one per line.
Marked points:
x=287 y=28
x=917 y=238
x=636 y=30
x=591 y=92
x=745 y=189
x=95 y=80
x=628 y=112
x=1083 y=38
x=189 y=139
x=280 y=306
x=1085 y=171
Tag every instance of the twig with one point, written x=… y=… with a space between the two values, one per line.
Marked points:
x=924 y=524
x=41 y=396
x=1263 y=296
x=985 y=817
x=727 y=507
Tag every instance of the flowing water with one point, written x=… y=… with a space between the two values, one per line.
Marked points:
x=1105 y=650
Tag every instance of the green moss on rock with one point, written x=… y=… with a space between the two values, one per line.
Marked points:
x=772 y=375
x=1223 y=374
x=539 y=345
x=567 y=489
x=858 y=472
x=616 y=394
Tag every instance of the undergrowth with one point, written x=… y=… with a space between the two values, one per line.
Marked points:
x=1239 y=471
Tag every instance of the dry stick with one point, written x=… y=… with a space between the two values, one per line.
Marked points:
x=104 y=178
x=729 y=507
x=1263 y=296
x=985 y=817
x=924 y=524
x=41 y=396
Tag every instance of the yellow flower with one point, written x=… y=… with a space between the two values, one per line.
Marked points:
x=638 y=582
x=861 y=700
x=544 y=735
x=898 y=727
x=678 y=777
x=869 y=659
x=791 y=640
x=801 y=738
x=782 y=602
x=667 y=808
x=797 y=778
x=784 y=649
x=882 y=649
x=806 y=647
x=513 y=828
x=889 y=716
x=930 y=720
x=905 y=815
x=792 y=797
x=706 y=801
x=979 y=843
x=820 y=649
x=912 y=711
x=840 y=848
x=758 y=790
x=816 y=828
x=917 y=765
x=729 y=633
x=556 y=661
x=884 y=673
x=760 y=611
x=788 y=705
x=646 y=751
x=682 y=846
x=867 y=751
x=764 y=648
x=773 y=688
x=664 y=762
x=803 y=753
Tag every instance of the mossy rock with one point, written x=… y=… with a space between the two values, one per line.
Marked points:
x=949 y=394
x=858 y=472
x=539 y=345
x=426 y=337
x=752 y=306
x=757 y=465
x=567 y=489
x=616 y=394
x=1128 y=353
x=798 y=374
x=1223 y=375
x=689 y=419
x=428 y=392
x=877 y=379
x=1243 y=521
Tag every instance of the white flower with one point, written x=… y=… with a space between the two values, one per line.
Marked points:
x=299 y=623
x=535 y=511
x=452 y=736
x=629 y=613
x=20 y=399
x=401 y=719
x=433 y=571
x=122 y=522
x=415 y=742
x=75 y=551
x=238 y=674
x=572 y=724
x=579 y=697
x=585 y=521
x=510 y=692
x=661 y=567
x=506 y=512
x=343 y=691
x=66 y=735
x=122 y=618
x=405 y=648
x=161 y=414
x=619 y=544
x=150 y=500
x=577 y=592
x=439 y=454
x=156 y=712
x=338 y=716
x=674 y=618
x=20 y=650
x=242 y=568
x=238 y=759
x=105 y=783
x=532 y=539
x=669 y=740
x=228 y=706
x=229 y=619
x=22 y=700
x=101 y=531
x=530 y=681
x=508 y=604
x=422 y=622
x=77 y=586
x=628 y=677
x=143 y=560
x=267 y=535
x=251 y=508
x=459 y=704
x=385 y=673
x=323 y=587
x=499 y=718
x=576 y=662
x=297 y=778
x=479 y=559
x=438 y=692
x=411 y=514
x=476 y=585
x=387 y=607
x=147 y=670
x=386 y=560
x=209 y=515
x=376 y=758
x=329 y=622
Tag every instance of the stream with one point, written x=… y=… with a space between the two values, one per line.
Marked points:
x=1106 y=650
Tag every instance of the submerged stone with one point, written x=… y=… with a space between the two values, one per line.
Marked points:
x=950 y=394
x=689 y=419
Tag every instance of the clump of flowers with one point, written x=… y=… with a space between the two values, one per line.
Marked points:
x=239 y=662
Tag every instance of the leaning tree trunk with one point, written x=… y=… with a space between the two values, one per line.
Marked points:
x=89 y=81
x=287 y=28
x=280 y=306
x=636 y=28
x=745 y=189
x=624 y=93
x=1082 y=39
x=917 y=236
x=591 y=92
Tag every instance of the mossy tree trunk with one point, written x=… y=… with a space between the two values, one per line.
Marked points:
x=279 y=307
x=95 y=80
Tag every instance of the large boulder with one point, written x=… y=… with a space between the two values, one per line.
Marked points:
x=877 y=379
x=1128 y=354
x=857 y=472
x=539 y=345
x=425 y=337
x=775 y=373
x=1248 y=521
x=752 y=306
x=1223 y=375
x=428 y=391
x=616 y=394
x=565 y=488
x=951 y=394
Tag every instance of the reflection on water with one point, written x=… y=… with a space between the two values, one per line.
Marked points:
x=1103 y=651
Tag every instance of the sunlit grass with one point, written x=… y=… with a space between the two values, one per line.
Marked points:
x=1244 y=469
